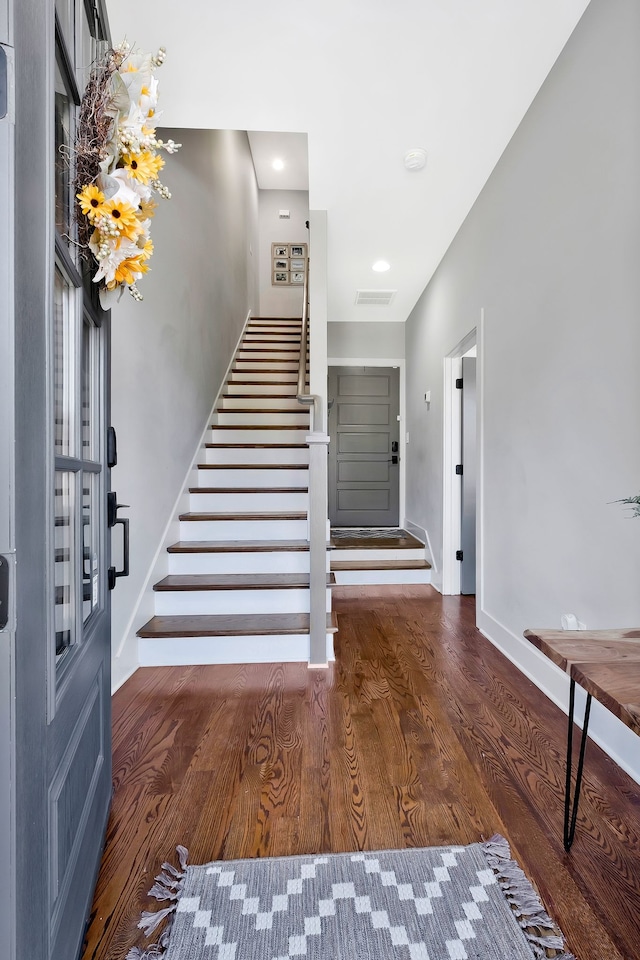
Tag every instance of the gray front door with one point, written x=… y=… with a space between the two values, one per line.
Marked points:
x=56 y=697
x=363 y=454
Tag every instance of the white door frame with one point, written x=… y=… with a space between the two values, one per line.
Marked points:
x=401 y=365
x=452 y=438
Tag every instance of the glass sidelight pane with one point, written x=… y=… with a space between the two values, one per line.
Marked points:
x=89 y=385
x=62 y=155
x=87 y=48
x=90 y=544
x=64 y=297
x=64 y=565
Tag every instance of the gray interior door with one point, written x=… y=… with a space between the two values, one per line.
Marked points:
x=364 y=484
x=468 y=500
x=60 y=686
x=7 y=532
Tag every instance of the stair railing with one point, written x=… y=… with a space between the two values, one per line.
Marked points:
x=317 y=516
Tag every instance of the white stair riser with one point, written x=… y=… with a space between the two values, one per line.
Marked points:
x=271 y=336
x=263 y=403
x=190 y=564
x=243 y=530
x=289 y=389
x=179 y=603
x=274 y=366
x=247 y=502
x=261 y=355
x=346 y=577
x=182 y=651
x=264 y=376
x=257 y=436
x=267 y=418
x=349 y=555
x=253 y=478
x=257 y=455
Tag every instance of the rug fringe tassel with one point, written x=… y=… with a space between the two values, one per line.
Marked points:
x=523 y=900
x=167 y=886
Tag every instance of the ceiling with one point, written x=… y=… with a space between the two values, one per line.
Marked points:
x=290 y=149
x=366 y=80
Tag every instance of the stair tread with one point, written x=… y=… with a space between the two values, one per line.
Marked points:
x=257 y=426
x=278 y=410
x=258 y=446
x=380 y=565
x=239 y=546
x=210 y=625
x=260 y=396
x=260 y=515
x=235 y=581
x=248 y=490
x=406 y=542
x=252 y=466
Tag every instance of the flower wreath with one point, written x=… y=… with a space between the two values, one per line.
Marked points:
x=117 y=166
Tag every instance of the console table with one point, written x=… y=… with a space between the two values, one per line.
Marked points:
x=605 y=663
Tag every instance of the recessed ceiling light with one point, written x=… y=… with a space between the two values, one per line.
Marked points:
x=278 y=164
x=415 y=159
x=381 y=266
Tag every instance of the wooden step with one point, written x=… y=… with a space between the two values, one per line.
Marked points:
x=236 y=581
x=380 y=565
x=267 y=624
x=264 y=515
x=253 y=426
x=252 y=466
x=392 y=542
x=261 y=410
x=261 y=446
x=247 y=489
x=238 y=546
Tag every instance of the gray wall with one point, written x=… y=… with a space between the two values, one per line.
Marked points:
x=366 y=340
x=282 y=301
x=170 y=353
x=551 y=252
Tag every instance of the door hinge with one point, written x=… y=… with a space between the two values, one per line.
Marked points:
x=459 y=555
x=459 y=469
x=459 y=383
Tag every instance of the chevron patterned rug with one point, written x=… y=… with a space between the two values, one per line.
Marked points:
x=438 y=903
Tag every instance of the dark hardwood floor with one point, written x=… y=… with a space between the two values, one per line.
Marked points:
x=420 y=734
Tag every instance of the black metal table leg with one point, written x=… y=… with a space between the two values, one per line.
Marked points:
x=571 y=809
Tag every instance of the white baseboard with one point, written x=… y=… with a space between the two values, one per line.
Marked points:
x=617 y=740
x=123 y=679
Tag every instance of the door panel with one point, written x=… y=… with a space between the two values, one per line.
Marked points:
x=61 y=686
x=363 y=423
x=7 y=513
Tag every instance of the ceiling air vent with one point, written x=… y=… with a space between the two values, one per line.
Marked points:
x=380 y=297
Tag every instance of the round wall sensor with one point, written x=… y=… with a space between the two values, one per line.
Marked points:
x=415 y=159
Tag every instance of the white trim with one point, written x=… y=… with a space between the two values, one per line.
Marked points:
x=451 y=452
x=159 y=565
x=618 y=741
x=480 y=461
x=122 y=680
x=386 y=362
x=421 y=534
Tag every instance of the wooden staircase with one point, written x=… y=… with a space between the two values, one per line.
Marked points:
x=238 y=584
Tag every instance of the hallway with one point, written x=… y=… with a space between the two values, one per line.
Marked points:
x=421 y=733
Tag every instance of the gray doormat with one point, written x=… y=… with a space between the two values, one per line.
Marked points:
x=438 y=903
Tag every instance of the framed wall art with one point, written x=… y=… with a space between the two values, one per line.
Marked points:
x=288 y=263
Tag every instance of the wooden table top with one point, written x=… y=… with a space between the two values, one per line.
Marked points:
x=606 y=663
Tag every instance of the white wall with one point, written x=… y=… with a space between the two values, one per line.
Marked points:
x=170 y=353
x=280 y=301
x=551 y=252
x=366 y=340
